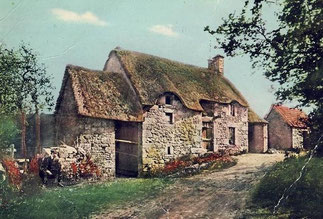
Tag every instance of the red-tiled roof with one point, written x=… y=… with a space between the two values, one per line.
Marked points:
x=293 y=117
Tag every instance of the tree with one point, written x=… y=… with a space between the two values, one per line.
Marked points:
x=290 y=52
x=26 y=87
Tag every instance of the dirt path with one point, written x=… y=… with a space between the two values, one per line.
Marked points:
x=220 y=194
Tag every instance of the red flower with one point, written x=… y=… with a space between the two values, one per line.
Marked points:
x=13 y=172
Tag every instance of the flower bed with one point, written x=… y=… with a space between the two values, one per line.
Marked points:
x=190 y=165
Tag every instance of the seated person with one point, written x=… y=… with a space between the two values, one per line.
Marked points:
x=50 y=168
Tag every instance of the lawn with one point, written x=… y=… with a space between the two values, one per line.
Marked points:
x=81 y=201
x=305 y=199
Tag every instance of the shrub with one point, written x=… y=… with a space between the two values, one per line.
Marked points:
x=13 y=172
x=188 y=164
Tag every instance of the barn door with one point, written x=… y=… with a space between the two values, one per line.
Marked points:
x=127 y=148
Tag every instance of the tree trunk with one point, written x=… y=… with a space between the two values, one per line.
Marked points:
x=37 y=127
x=23 y=134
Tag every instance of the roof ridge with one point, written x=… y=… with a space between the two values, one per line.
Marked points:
x=159 y=57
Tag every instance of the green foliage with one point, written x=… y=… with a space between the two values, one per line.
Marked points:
x=289 y=49
x=7 y=191
x=8 y=131
x=24 y=84
x=304 y=200
x=81 y=201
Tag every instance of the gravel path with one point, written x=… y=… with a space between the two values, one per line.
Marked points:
x=220 y=194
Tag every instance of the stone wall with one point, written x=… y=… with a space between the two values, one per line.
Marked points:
x=66 y=117
x=163 y=139
x=258 y=137
x=298 y=138
x=223 y=120
x=279 y=132
x=95 y=136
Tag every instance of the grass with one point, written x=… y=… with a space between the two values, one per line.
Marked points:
x=304 y=199
x=81 y=201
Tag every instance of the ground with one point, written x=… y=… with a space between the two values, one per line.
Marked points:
x=221 y=194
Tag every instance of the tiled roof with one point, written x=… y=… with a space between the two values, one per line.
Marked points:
x=293 y=117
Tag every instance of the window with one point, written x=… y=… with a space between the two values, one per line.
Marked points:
x=207 y=130
x=232 y=110
x=169 y=150
x=232 y=136
x=169 y=118
x=207 y=136
x=168 y=100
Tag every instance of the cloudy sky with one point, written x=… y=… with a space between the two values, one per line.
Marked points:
x=84 y=32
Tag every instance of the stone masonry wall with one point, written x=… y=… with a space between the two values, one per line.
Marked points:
x=182 y=137
x=66 y=118
x=258 y=137
x=298 y=140
x=223 y=120
x=279 y=132
x=239 y=121
x=95 y=136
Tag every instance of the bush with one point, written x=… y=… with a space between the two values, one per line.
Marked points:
x=13 y=172
x=189 y=165
x=8 y=131
x=304 y=199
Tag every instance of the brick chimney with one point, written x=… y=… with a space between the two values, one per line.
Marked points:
x=216 y=64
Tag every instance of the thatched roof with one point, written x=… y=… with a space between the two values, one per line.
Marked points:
x=101 y=94
x=152 y=76
x=254 y=118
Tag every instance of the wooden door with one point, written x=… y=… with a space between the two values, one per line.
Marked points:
x=127 y=139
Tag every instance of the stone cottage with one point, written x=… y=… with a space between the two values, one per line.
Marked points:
x=286 y=127
x=142 y=111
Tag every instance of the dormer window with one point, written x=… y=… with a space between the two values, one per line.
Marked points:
x=168 y=100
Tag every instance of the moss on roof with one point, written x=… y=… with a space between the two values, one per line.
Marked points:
x=102 y=94
x=153 y=76
x=254 y=118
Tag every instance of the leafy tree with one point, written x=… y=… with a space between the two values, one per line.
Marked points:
x=289 y=50
x=25 y=87
x=8 y=132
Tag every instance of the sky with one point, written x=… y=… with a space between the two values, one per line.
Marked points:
x=84 y=32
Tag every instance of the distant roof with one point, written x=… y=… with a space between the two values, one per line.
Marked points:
x=152 y=76
x=293 y=117
x=102 y=94
x=254 y=118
